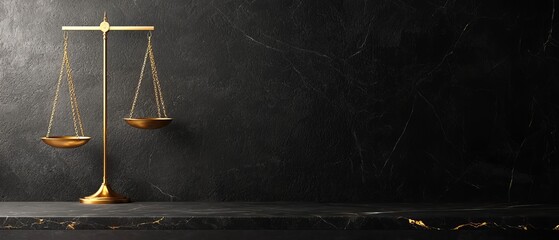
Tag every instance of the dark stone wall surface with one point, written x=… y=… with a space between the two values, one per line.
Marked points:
x=280 y=100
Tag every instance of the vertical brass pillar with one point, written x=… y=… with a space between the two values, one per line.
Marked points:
x=105 y=194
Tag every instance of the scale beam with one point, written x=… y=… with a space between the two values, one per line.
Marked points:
x=111 y=28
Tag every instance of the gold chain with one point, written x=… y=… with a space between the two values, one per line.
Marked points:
x=73 y=99
x=72 y=103
x=58 y=85
x=154 y=77
x=76 y=117
x=156 y=84
x=139 y=83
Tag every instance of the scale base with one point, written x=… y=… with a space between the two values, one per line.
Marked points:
x=105 y=195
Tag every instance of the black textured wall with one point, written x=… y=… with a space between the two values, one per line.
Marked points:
x=290 y=100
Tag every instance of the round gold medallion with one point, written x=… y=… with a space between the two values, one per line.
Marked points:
x=104 y=26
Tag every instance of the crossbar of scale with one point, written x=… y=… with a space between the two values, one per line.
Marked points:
x=111 y=28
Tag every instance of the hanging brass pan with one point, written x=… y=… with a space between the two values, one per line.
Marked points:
x=68 y=141
x=148 y=123
x=65 y=141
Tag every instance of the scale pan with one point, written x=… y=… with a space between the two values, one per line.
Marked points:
x=148 y=123
x=65 y=141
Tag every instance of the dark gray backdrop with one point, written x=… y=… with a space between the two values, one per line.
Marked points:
x=290 y=100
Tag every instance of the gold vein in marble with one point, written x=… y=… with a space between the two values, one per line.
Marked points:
x=70 y=225
x=158 y=222
x=421 y=224
x=472 y=224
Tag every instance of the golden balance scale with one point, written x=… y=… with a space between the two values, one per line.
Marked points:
x=105 y=194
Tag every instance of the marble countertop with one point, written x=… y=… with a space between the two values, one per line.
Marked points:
x=275 y=216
